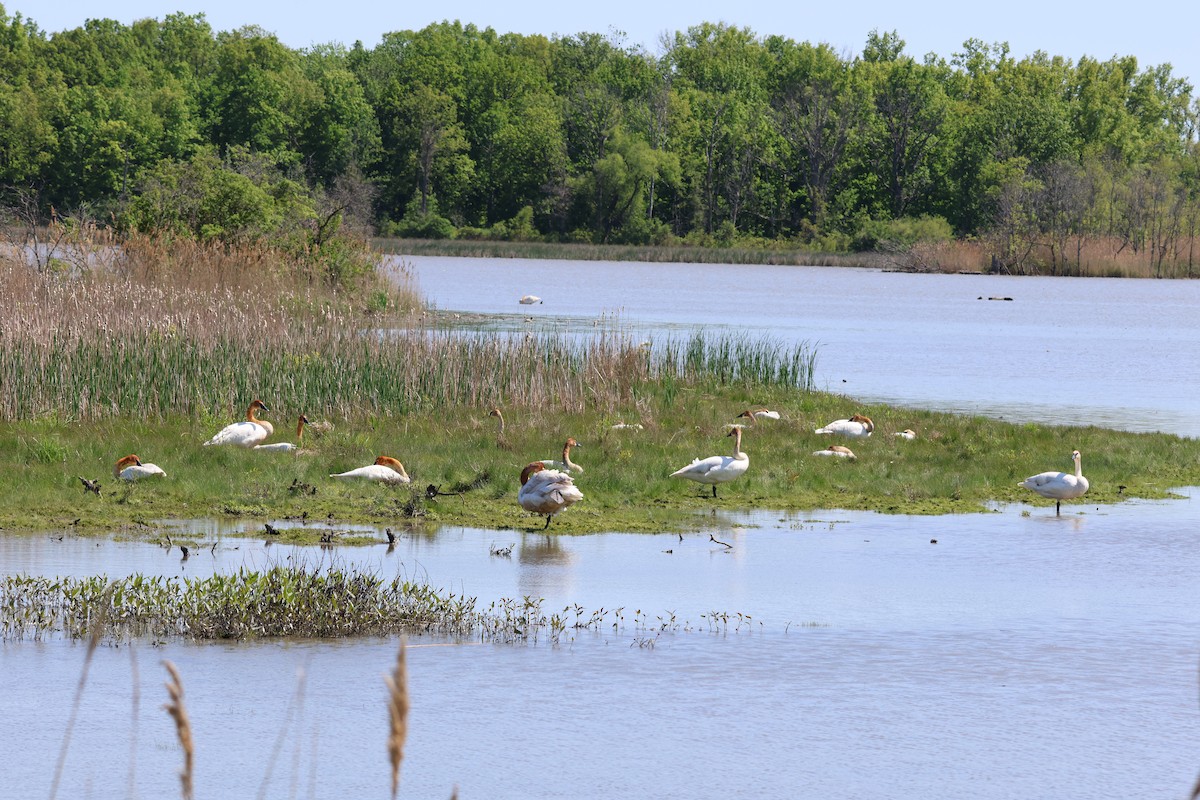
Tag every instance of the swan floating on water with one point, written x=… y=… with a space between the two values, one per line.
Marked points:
x=837 y=451
x=286 y=447
x=718 y=469
x=1059 y=486
x=529 y=300
x=856 y=427
x=566 y=462
x=546 y=491
x=245 y=434
x=131 y=468
x=385 y=470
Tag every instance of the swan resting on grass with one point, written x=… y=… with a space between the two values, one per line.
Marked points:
x=856 y=427
x=384 y=470
x=718 y=469
x=755 y=414
x=837 y=451
x=131 y=468
x=546 y=491
x=286 y=447
x=1059 y=486
x=245 y=434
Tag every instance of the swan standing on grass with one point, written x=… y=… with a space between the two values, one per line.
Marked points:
x=501 y=439
x=856 y=427
x=286 y=447
x=566 y=462
x=245 y=434
x=546 y=491
x=718 y=469
x=755 y=414
x=1059 y=486
x=837 y=451
x=131 y=468
x=384 y=470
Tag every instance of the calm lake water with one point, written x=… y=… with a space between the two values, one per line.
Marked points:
x=1112 y=352
x=1023 y=655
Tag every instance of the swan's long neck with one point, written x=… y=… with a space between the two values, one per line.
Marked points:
x=737 y=442
x=500 y=417
x=250 y=414
x=567 y=456
x=300 y=429
x=1078 y=466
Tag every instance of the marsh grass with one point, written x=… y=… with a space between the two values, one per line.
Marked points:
x=957 y=464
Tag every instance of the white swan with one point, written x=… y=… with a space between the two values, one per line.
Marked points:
x=546 y=491
x=384 y=470
x=837 y=451
x=626 y=426
x=529 y=300
x=566 y=462
x=1059 y=486
x=856 y=427
x=755 y=414
x=245 y=434
x=717 y=469
x=131 y=468
x=286 y=447
x=907 y=433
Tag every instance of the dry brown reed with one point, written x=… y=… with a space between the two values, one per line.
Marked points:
x=1092 y=257
x=183 y=727
x=397 y=684
x=103 y=344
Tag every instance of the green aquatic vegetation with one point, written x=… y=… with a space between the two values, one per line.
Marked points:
x=297 y=601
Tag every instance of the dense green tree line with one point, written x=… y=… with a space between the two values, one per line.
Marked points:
x=723 y=136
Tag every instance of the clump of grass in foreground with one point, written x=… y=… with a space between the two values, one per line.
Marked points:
x=291 y=601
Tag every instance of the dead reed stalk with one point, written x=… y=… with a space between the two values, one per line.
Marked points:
x=397 y=684
x=183 y=727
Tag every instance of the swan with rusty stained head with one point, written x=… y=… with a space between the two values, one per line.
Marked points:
x=132 y=468
x=718 y=469
x=1059 y=486
x=566 y=462
x=385 y=470
x=855 y=427
x=755 y=414
x=248 y=433
x=546 y=491
x=837 y=451
x=286 y=447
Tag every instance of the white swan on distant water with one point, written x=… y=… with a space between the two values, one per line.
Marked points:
x=245 y=434
x=837 y=451
x=755 y=414
x=1059 y=486
x=286 y=447
x=718 y=469
x=385 y=470
x=546 y=491
x=131 y=468
x=566 y=462
x=529 y=300
x=856 y=427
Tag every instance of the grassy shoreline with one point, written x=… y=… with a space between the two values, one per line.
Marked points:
x=957 y=464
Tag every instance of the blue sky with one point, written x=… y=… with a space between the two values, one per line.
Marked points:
x=1156 y=31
